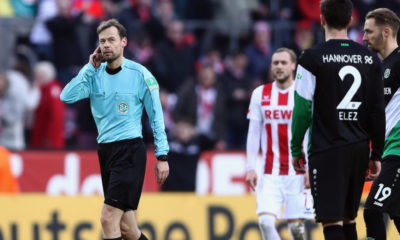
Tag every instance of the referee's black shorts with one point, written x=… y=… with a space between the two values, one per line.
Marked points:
x=337 y=178
x=385 y=191
x=122 y=166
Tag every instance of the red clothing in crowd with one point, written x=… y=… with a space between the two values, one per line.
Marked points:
x=310 y=9
x=48 y=125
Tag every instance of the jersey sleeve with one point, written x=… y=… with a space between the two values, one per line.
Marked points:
x=80 y=86
x=253 y=144
x=376 y=112
x=152 y=104
x=302 y=111
x=254 y=112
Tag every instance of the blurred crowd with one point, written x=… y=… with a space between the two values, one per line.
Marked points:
x=207 y=55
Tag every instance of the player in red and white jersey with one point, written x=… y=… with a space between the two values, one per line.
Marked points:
x=270 y=115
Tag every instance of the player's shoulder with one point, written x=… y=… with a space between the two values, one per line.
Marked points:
x=132 y=65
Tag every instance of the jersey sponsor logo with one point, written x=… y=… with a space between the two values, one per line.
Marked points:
x=123 y=107
x=278 y=114
x=387 y=73
x=151 y=83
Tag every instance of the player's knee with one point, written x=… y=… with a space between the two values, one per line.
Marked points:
x=267 y=224
x=296 y=230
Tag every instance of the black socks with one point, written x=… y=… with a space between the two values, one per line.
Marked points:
x=350 y=231
x=334 y=232
x=374 y=222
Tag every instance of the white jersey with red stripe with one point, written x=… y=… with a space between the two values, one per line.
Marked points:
x=273 y=107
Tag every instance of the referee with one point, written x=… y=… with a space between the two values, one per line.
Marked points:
x=119 y=89
x=339 y=94
x=380 y=34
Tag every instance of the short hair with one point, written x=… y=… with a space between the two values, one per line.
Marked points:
x=385 y=17
x=47 y=69
x=112 y=23
x=292 y=54
x=337 y=13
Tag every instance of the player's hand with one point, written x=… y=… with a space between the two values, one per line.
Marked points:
x=251 y=179
x=306 y=180
x=96 y=57
x=299 y=163
x=162 y=171
x=374 y=168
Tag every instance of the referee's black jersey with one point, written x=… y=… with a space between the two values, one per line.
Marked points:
x=391 y=74
x=339 y=85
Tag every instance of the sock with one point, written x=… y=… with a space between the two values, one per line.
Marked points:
x=396 y=221
x=350 y=231
x=334 y=232
x=142 y=237
x=118 y=238
x=267 y=227
x=296 y=230
x=375 y=226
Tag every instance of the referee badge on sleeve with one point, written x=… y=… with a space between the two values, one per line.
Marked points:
x=151 y=83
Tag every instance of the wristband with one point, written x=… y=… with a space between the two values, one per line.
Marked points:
x=163 y=158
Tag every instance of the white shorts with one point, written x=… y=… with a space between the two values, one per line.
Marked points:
x=285 y=197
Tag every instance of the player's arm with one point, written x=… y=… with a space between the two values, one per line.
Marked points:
x=253 y=139
x=302 y=113
x=152 y=104
x=252 y=149
x=376 y=121
x=79 y=87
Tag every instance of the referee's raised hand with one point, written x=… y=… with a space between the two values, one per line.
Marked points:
x=96 y=57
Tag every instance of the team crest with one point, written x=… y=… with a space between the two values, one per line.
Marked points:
x=299 y=76
x=387 y=73
x=123 y=107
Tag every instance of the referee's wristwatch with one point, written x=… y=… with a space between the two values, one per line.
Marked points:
x=163 y=158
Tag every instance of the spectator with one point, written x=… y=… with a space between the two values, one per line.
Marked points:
x=202 y=103
x=16 y=99
x=40 y=36
x=8 y=182
x=185 y=151
x=174 y=57
x=309 y=9
x=66 y=48
x=237 y=85
x=303 y=36
x=48 y=124
x=213 y=58
x=259 y=52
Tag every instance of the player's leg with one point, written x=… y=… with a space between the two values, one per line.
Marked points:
x=266 y=223
x=129 y=227
x=349 y=229
x=110 y=221
x=333 y=230
x=396 y=221
x=296 y=229
x=355 y=167
x=297 y=205
x=269 y=205
x=383 y=197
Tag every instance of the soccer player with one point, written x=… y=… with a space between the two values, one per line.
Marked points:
x=339 y=93
x=119 y=89
x=270 y=114
x=381 y=27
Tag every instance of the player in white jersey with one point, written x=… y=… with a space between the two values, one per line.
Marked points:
x=270 y=114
